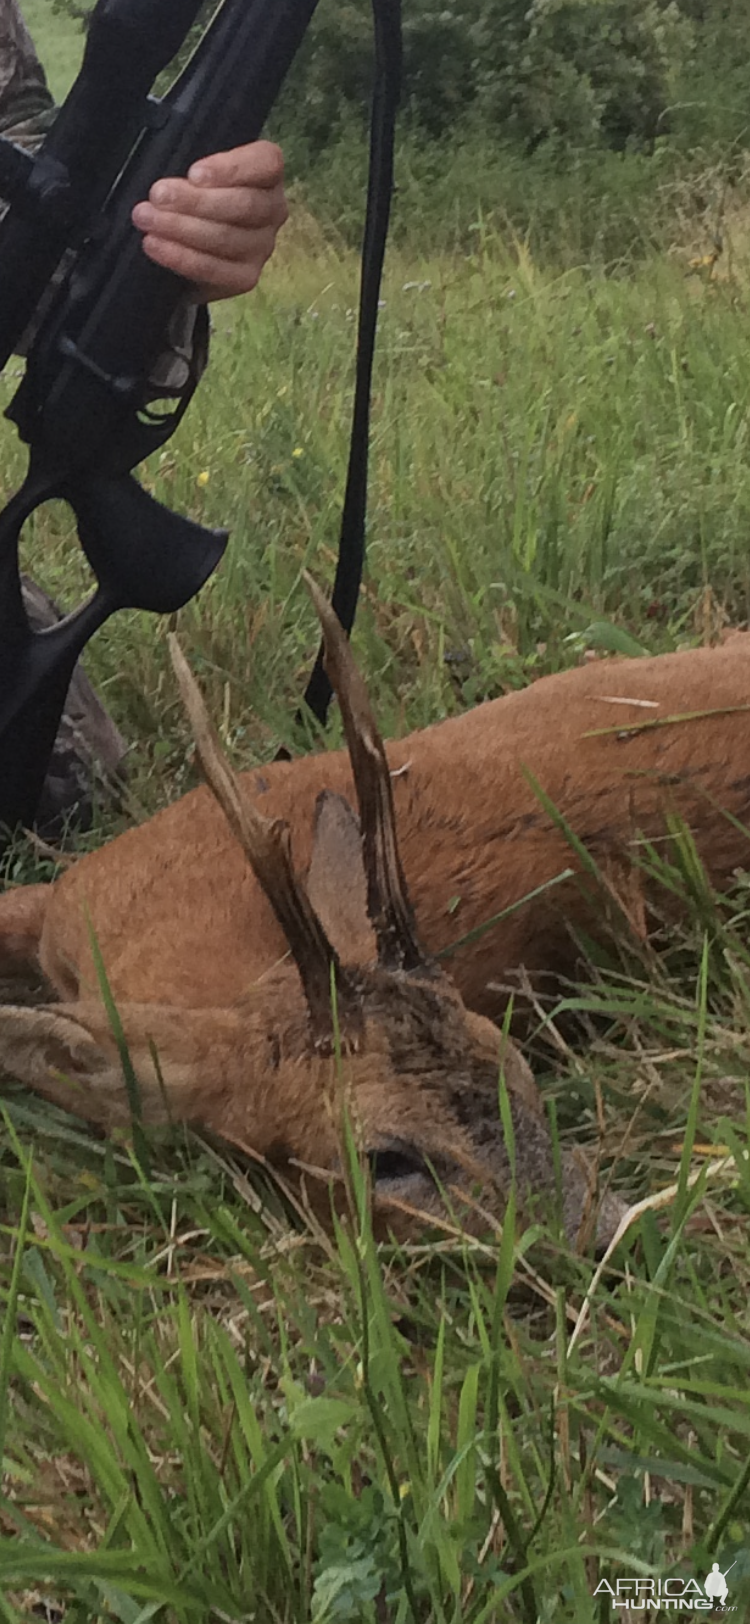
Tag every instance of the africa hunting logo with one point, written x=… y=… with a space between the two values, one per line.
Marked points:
x=670 y=1595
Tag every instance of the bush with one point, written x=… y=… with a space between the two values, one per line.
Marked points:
x=580 y=71
x=599 y=71
x=714 y=90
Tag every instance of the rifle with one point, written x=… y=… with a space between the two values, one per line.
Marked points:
x=71 y=261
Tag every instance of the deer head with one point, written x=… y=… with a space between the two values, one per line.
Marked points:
x=357 y=1019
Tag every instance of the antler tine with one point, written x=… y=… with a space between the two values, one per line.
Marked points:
x=388 y=902
x=266 y=843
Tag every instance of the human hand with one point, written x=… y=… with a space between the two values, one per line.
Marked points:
x=218 y=226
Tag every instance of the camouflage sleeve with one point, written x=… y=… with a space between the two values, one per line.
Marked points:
x=26 y=106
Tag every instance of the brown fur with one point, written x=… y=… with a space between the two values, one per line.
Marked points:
x=421 y=1085
x=180 y=917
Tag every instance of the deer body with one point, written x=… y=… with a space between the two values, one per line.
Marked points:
x=180 y=916
x=196 y=912
x=361 y=1025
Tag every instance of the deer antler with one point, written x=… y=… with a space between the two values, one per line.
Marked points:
x=388 y=902
x=266 y=843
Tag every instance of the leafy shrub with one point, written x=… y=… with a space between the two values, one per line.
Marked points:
x=595 y=70
x=714 y=89
x=579 y=71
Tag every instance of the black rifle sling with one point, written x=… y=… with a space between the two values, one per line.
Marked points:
x=348 y=578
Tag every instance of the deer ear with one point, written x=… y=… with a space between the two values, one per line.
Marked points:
x=58 y=1057
x=336 y=883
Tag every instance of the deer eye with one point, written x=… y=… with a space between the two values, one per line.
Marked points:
x=396 y=1162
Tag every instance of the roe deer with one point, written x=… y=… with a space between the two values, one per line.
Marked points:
x=616 y=745
x=418 y=1072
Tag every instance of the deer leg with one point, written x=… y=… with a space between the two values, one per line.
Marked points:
x=22 y=911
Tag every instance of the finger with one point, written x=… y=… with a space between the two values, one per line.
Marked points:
x=212 y=277
x=238 y=205
x=261 y=163
x=201 y=236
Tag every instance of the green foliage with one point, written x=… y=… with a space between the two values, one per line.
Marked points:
x=580 y=71
x=577 y=71
x=570 y=73
x=358 y=1556
x=78 y=10
x=714 y=88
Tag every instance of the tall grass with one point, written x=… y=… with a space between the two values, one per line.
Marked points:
x=209 y=1417
x=209 y=1409
x=597 y=479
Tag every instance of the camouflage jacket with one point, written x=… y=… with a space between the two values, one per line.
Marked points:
x=26 y=106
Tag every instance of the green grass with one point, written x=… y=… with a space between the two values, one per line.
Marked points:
x=210 y=1411
x=597 y=479
x=58 y=41
x=208 y=1416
